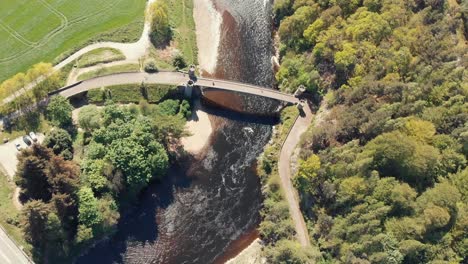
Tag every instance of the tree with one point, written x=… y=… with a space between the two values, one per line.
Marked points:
x=306 y=178
x=395 y=154
x=59 y=140
x=93 y=172
x=59 y=111
x=291 y=252
x=161 y=32
x=185 y=109
x=292 y=28
x=419 y=129
x=89 y=214
x=89 y=118
x=31 y=174
x=62 y=175
x=179 y=62
x=43 y=230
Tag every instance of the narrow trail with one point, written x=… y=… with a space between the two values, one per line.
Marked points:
x=284 y=167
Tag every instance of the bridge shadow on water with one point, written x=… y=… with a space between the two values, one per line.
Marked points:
x=263 y=119
x=139 y=226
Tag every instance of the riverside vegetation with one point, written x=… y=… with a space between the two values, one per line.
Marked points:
x=382 y=176
x=78 y=182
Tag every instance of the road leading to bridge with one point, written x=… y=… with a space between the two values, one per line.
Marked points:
x=9 y=252
x=174 y=78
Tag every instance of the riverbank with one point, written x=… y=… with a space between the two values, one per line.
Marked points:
x=208 y=30
x=200 y=128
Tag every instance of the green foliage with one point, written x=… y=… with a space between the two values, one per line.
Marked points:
x=89 y=117
x=150 y=66
x=391 y=133
x=104 y=22
x=89 y=215
x=169 y=107
x=185 y=109
x=125 y=93
x=104 y=70
x=59 y=140
x=157 y=92
x=161 y=32
x=291 y=252
x=96 y=96
x=132 y=93
x=59 y=111
x=48 y=186
x=179 y=62
x=100 y=55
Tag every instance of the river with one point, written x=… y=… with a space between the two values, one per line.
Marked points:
x=205 y=205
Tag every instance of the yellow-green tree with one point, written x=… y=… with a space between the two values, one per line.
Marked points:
x=160 y=29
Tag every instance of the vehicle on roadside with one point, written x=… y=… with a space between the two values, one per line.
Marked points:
x=27 y=140
x=18 y=146
x=33 y=136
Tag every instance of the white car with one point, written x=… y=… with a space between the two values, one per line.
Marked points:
x=18 y=146
x=33 y=136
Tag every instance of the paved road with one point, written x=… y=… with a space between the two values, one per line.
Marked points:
x=174 y=78
x=284 y=167
x=9 y=252
x=8 y=152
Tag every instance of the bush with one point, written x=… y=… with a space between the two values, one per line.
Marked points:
x=126 y=93
x=157 y=92
x=179 y=62
x=96 y=96
x=150 y=66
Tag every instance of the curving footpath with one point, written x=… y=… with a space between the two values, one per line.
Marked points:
x=132 y=51
x=284 y=168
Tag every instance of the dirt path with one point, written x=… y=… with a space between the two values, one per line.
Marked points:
x=284 y=167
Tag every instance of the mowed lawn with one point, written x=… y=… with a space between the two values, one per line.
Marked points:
x=41 y=30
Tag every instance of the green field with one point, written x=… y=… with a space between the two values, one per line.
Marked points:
x=41 y=30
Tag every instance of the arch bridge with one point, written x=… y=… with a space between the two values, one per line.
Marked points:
x=173 y=78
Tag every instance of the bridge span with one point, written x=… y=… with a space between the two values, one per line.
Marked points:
x=173 y=78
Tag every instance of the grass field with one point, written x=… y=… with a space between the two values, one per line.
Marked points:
x=41 y=30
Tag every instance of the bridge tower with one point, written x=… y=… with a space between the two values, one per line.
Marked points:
x=191 y=72
x=188 y=90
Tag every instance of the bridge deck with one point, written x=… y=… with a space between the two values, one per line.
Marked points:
x=173 y=78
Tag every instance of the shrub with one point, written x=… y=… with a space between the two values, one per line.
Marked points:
x=96 y=96
x=150 y=66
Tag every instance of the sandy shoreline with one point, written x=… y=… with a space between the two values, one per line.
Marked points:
x=250 y=255
x=208 y=30
x=200 y=129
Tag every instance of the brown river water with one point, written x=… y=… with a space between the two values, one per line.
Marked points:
x=207 y=208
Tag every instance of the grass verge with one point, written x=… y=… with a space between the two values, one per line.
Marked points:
x=131 y=67
x=9 y=214
x=100 y=55
x=131 y=93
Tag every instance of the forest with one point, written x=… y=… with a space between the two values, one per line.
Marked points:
x=382 y=175
x=89 y=171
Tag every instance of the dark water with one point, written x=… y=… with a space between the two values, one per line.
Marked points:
x=204 y=205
